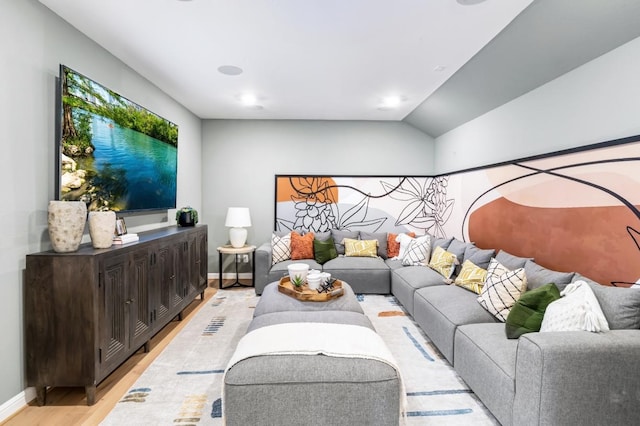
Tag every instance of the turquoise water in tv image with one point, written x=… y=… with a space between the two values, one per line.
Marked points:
x=139 y=170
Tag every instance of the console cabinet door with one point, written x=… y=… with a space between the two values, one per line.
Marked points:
x=114 y=313
x=166 y=278
x=139 y=303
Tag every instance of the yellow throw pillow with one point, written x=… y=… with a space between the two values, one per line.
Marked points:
x=360 y=248
x=443 y=262
x=471 y=277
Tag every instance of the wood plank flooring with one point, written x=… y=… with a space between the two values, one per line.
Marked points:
x=68 y=406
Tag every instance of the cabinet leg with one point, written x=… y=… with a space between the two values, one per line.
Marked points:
x=91 y=394
x=202 y=295
x=41 y=395
x=146 y=347
x=180 y=316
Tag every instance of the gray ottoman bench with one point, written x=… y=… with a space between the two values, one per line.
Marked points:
x=303 y=389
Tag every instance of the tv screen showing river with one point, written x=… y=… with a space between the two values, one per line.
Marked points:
x=114 y=154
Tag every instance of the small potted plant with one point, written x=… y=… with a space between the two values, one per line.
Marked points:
x=187 y=216
x=297 y=282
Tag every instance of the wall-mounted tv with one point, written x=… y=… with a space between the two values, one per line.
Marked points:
x=112 y=153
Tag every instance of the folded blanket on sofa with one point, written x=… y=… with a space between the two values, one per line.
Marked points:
x=337 y=340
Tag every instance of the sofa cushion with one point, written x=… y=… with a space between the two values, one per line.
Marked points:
x=417 y=252
x=301 y=246
x=364 y=274
x=440 y=242
x=458 y=248
x=480 y=257
x=578 y=309
x=440 y=309
x=324 y=250
x=486 y=361
x=322 y=236
x=381 y=237
x=511 y=261
x=538 y=276
x=471 y=277
x=443 y=262
x=527 y=313
x=339 y=235
x=280 y=247
x=620 y=305
x=393 y=245
x=502 y=289
x=360 y=248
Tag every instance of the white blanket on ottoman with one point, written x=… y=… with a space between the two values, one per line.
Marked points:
x=338 y=340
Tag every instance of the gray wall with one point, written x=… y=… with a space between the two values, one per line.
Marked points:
x=596 y=102
x=34 y=43
x=241 y=158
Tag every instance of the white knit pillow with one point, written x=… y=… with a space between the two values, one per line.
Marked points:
x=502 y=289
x=280 y=248
x=418 y=251
x=578 y=309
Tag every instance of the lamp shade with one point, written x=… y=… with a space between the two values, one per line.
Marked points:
x=238 y=217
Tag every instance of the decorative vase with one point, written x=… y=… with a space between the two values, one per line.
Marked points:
x=66 y=220
x=102 y=226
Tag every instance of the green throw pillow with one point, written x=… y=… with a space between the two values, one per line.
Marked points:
x=526 y=315
x=324 y=251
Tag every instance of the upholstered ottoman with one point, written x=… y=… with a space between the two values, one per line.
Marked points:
x=319 y=363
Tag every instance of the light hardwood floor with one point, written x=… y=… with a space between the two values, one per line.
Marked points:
x=68 y=406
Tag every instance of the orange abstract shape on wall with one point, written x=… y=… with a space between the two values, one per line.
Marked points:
x=594 y=241
x=321 y=188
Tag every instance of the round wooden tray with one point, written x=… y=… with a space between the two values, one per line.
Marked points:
x=308 y=295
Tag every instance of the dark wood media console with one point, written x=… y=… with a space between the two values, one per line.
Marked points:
x=86 y=312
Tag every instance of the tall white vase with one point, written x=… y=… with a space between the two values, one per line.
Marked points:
x=66 y=220
x=101 y=228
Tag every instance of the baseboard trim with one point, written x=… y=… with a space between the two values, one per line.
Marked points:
x=229 y=275
x=16 y=403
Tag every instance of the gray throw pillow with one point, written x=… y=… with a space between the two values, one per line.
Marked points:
x=458 y=248
x=322 y=236
x=537 y=276
x=510 y=261
x=382 y=241
x=339 y=235
x=440 y=242
x=620 y=305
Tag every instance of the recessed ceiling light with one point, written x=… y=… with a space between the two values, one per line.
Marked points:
x=391 y=102
x=229 y=70
x=248 y=99
x=439 y=68
x=469 y=2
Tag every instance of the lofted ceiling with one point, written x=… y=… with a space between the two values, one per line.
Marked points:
x=444 y=61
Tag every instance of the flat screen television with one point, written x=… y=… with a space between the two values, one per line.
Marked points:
x=112 y=153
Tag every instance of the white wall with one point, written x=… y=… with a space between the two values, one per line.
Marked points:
x=596 y=102
x=241 y=158
x=34 y=43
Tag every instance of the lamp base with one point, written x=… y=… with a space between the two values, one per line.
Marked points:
x=237 y=237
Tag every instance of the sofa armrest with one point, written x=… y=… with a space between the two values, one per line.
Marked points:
x=262 y=266
x=577 y=378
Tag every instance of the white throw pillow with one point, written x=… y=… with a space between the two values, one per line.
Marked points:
x=404 y=241
x=502 y=289
x=418 y=251
x=280 y=248
x=577 y=309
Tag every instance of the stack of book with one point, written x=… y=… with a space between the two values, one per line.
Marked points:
x=125 y=239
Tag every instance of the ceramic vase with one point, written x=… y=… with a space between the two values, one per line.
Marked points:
x=102 y=227
x=66 y=220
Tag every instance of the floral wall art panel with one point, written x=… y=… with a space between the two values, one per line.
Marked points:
x=367 y=203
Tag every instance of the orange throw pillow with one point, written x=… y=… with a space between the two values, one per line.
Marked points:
x=301 y=246
x=393 y=247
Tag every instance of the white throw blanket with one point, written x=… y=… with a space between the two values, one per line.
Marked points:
x=337 y=340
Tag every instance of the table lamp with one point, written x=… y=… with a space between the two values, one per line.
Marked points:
x=237 y=219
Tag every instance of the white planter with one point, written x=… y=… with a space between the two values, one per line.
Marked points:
x=66 y=220
x=102 y=226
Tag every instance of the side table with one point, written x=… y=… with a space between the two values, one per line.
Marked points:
x=228 y=249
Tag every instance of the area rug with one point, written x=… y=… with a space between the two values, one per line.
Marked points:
x=183 y=385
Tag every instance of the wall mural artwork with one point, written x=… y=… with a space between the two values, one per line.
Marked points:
x=372 y=204
x=577 y=210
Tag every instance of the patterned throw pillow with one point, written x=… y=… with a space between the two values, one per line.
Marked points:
x=393 y=246
x=471 y=277
x=443 y=262
x=301 y=246
x=418 y=251
x=280 y=248
x=502 y=289
x=360 y=248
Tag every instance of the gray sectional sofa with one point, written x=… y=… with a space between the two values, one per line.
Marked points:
x=552 y=378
